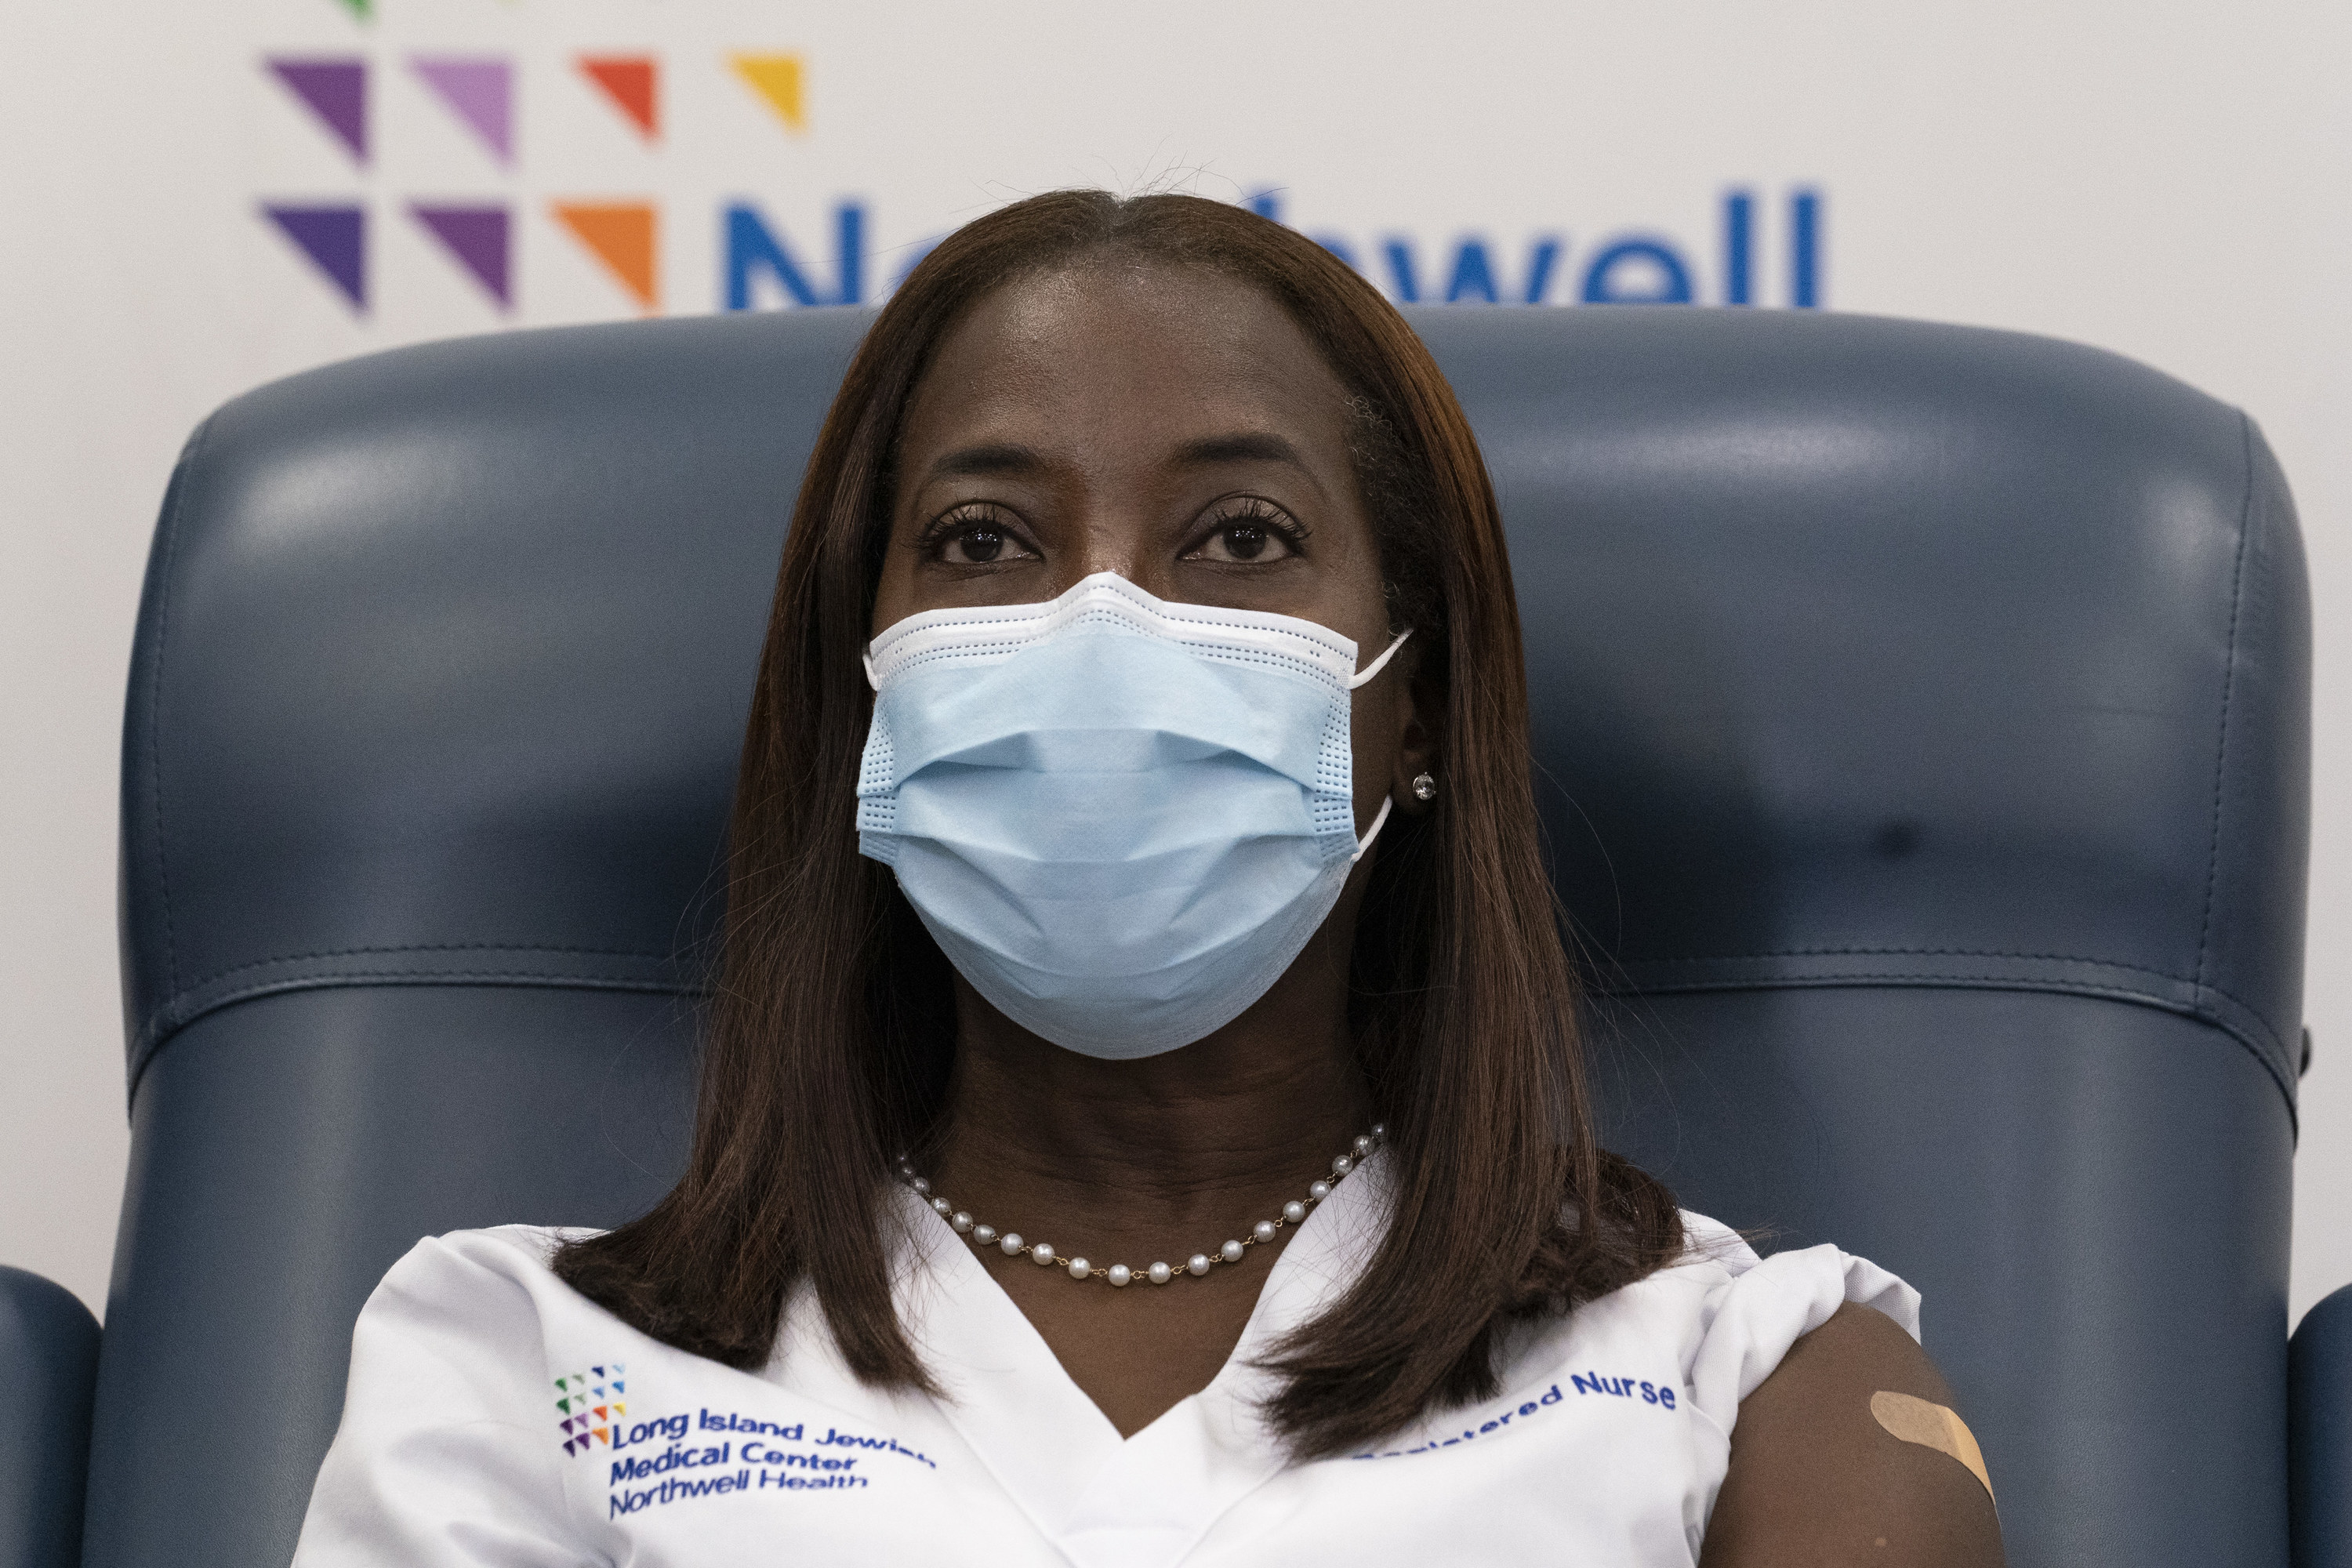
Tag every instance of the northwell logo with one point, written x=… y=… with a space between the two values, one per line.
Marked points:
x=591 y=1407
x=480 y=92
x=761 y=267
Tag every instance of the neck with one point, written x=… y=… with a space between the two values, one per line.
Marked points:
x=1151 y=1155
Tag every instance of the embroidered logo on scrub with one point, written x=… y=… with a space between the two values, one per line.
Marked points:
x=589 y=1403
x=1624 y=1388
x=753 y=1456
x=1661 y=1394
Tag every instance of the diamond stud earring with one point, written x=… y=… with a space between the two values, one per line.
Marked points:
x=1424 y=787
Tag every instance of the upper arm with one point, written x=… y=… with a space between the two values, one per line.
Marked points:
x=1816 y=1482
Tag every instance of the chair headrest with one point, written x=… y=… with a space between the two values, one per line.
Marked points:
x=1862 y=651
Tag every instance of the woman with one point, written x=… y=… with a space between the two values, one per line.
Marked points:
x=1143 y=1120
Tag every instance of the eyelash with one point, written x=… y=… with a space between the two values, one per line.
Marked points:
x=979 y=516
x=974 y=517
x=1258 y=510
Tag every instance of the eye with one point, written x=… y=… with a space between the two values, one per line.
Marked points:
x=975 y=538
x=973 y=546
x=1250 y=533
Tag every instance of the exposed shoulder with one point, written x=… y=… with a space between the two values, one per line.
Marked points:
x=1817 y=1479
x=1734 y=1315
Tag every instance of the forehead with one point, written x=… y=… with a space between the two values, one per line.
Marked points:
x=1095 y=346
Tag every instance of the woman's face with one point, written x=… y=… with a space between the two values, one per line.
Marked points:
x=1171 y=425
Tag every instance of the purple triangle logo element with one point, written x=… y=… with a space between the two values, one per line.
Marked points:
x=480 y=90
x=335 y=239
x=478 y=237
x=336 y=91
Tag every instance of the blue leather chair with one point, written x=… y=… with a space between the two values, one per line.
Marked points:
x=1922 y=727
x=49 y=1359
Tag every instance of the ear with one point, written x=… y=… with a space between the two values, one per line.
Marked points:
x=1421 y=701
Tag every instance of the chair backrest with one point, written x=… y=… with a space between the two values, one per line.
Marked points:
x=1921 y=725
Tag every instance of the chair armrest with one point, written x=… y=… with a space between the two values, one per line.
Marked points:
x=2319 y=1441
x=48 y=1364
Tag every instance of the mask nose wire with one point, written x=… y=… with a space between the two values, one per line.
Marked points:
x=1387 y=802
x=1374 y=668
x=865 y=657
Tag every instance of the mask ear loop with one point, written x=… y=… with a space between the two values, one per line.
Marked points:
x=1386 y=801
x=872 y=679
x=1374 y=668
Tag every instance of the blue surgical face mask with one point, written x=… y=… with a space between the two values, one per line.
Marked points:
x=1121 y=818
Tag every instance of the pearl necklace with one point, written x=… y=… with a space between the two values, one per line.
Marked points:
x=1042 y=1253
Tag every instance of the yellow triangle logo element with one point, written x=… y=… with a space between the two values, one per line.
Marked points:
x=779 y=80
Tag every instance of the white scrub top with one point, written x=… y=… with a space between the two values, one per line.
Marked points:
x=495 y=1416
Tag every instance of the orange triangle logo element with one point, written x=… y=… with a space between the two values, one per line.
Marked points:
x=780 y=82
x=621 y=235
x=634 y=84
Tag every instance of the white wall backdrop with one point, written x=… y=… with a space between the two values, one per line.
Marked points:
x=2166 y=180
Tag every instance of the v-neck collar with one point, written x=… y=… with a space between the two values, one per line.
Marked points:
x=1140 y=1501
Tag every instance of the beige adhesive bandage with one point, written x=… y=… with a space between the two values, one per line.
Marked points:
x=1930 y=1425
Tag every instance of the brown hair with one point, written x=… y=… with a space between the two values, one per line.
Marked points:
x=833 y=1027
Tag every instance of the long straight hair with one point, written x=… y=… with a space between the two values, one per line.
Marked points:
x=830 y=1039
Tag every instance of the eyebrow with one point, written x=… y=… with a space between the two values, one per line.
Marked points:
x=992 y=458
x=1255 y=446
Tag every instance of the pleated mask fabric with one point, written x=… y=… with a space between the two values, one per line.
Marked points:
x=1121 y=818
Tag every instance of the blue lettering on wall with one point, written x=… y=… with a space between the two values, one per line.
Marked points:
x=1738 y=248
x=1541 y=257
x=1403 y=283
x=1647 y=269
x=1267 y=205
x=1668 y=276
x=1474 y=277
x=1473 y=274
x=1805 y=250
x=752 y=248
